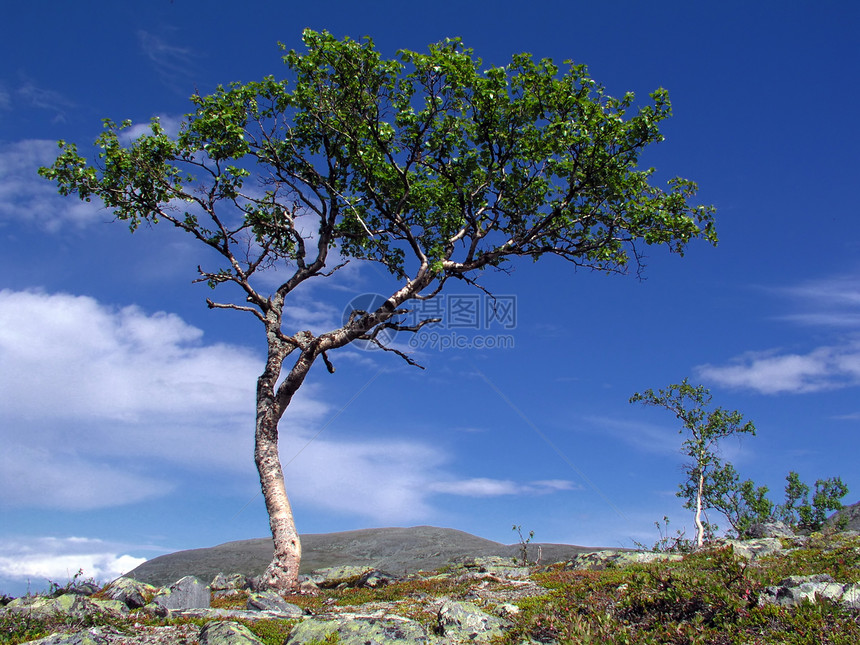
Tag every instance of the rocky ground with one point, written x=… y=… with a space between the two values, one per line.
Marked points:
x=760 y=588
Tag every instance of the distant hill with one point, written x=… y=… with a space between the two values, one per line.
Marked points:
x=394 y=550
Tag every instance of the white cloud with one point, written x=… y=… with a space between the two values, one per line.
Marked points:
x=774 y=373
x=25 y=196
x=59 y=559
x=832 y=302
x=96 y=397
x=90 y=361
x=99 y=399
x=170 y=123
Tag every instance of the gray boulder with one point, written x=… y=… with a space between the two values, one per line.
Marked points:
x=187 y=593
x=492 y=565
x=270 y=601
x=234 y=581
x=226 y=633
x=796 y=590
x=770 y=530
x=754 y=549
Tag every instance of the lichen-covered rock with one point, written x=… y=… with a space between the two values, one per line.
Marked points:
x=186 y=593
x=226 y=633
x=348 y=576
x=92 y=636
x=355 y=629
x=270 y=601
x=41 y=607
x=464 y=622
x=133 y=593
x=754 y=549
x=599 y=560
x=492 y=565
x=238 y=614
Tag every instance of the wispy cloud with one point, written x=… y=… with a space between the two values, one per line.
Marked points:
x=174 y=64
x=486 y=487
x=645 y=437
x=5 y=98
x=24 y=195
x=827 y=302
x=42 y=98
x=831 y=304
x=26 y=94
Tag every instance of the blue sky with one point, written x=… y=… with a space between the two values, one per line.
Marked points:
x=126 y=406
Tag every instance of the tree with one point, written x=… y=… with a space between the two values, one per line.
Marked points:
x=745 y=504
x=689 y=404
x=741 y=502
x=797 y=510
x=424 y=164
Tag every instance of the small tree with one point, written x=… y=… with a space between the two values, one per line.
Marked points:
x=799 y=512
x=741 y=502
x=432 y=165
x=705 y=430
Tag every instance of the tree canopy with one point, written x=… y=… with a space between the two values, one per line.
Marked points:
x=428 y=163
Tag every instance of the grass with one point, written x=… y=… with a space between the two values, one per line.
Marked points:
x=709 y=597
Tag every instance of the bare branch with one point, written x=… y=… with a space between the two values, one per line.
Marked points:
x=386 y=348
x=410 y=328
x=326 y=274
x=228 y=305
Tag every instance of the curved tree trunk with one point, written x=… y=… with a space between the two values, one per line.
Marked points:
x=700 y=529
x=283 y=572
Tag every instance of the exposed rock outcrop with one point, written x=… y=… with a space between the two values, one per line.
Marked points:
x=796 y=590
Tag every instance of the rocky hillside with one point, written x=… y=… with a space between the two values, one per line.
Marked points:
x=396 y=550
